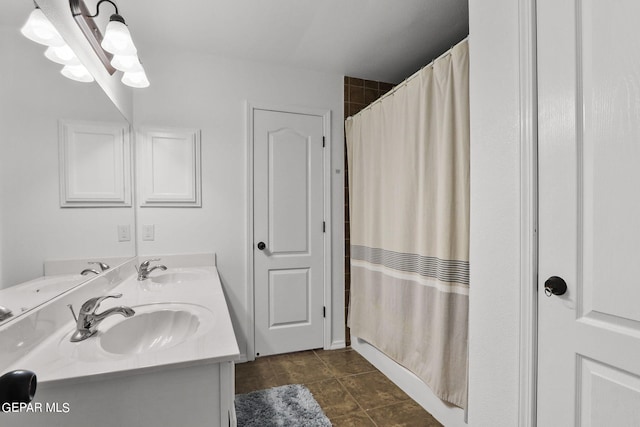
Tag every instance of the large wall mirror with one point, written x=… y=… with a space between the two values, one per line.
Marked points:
x=38 y=106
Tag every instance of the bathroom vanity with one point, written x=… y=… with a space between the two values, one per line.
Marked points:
x=170 y=363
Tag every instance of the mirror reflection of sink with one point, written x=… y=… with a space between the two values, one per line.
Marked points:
x=55 y=284
x=150 y=332
x=154 y=327
x=22 y=297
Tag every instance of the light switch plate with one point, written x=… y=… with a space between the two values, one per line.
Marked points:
x=124 y=233
x=148 y=232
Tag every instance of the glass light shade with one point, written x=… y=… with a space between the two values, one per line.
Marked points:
x=126 y=63
x=77 y=72
x=39 y=29
x=62 y=55
x=117 y=39
x=136 y=79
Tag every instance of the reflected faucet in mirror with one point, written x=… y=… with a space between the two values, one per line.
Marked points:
x=102 y=265
x=5 y=313
x=88 y=320
x=144 y=270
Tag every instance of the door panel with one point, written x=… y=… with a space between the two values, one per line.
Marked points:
x=605 y=390
x=288 y=192
x=289 y=292
x=288 y=219
x=589 y=210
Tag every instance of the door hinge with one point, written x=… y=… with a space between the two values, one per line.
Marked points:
x=324 y=227
x=323 y=141
x=324 y=311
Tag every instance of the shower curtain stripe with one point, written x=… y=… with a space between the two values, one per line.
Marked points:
x=442 y=269
x=408 y=160
x=417 y=279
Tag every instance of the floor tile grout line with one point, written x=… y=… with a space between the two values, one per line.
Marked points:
x=357 y=402
x=392 y=404
x=357 y=374
x=337 y=379
x=323 y=362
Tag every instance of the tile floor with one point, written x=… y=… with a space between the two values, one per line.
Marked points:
x=348 y=388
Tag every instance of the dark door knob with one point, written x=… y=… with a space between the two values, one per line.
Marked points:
x=261 y=245
x=17 y=386
x=555 y=286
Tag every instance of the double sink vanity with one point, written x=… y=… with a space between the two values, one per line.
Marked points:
x=149 y=342
x=161 y=353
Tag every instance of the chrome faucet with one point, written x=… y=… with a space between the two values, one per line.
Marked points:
x=5 y=313
x=102 y=265
x=88 y=320
x=144 y=270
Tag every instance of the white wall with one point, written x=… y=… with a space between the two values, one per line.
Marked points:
x=194 y=90
x=495 y=213
x=34 y=227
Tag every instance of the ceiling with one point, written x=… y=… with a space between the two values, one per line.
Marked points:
x=385 y=40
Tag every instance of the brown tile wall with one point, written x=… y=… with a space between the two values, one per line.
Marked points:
x=358 y=93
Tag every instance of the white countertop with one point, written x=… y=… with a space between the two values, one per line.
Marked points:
x=57 y=360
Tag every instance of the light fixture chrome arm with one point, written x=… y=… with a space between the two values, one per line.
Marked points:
x=91 y=32
x=98 y=8
x=115 y=47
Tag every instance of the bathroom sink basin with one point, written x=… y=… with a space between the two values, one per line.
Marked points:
x=156 y=327
x=149 y=332
x=153 y=328
x=178 y=277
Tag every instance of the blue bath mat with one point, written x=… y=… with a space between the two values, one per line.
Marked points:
x=288 y=405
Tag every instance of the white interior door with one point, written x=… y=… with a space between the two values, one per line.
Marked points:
x=589 y=218
x=288 y=232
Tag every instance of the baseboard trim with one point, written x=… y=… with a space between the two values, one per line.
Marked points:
x=242 y=358
x=337 y=345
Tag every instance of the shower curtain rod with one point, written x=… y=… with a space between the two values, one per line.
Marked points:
x=411 y=77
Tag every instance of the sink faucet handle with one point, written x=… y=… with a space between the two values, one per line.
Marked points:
x=73 y=313
x=100 y=264
x=92 y=304
x=146 y=263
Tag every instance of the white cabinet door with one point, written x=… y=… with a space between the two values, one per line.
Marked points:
x=288 y=232
x=589 y=218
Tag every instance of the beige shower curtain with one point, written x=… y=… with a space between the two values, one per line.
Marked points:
x=408 y=160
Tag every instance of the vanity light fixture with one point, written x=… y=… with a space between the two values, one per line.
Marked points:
x=77 y=72
x=39 y=29
x=62 y=55
x=116 y=49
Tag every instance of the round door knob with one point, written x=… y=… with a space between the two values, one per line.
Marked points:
x=261 y=245
x=17 y=386
x=555 y=286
